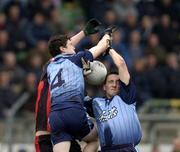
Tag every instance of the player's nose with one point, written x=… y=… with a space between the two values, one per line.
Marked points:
x=114 y=84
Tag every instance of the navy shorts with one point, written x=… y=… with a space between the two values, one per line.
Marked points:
x=119 y=148
x=69 y=124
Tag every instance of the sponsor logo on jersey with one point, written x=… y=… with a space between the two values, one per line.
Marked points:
x=108 y=114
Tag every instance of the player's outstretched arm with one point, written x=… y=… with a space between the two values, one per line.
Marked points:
x=91 y=27
x=77 y=38
x=101 y=47
x=121 y=65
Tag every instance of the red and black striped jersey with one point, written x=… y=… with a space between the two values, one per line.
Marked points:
x=43 y=103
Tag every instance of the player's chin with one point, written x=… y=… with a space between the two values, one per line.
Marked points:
x=113 y=93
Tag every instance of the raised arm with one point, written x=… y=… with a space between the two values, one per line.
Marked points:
x=91 y=27
x=101 y=47
x=118 y=60
x=77 y=38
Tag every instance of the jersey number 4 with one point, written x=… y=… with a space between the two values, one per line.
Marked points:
x=57 y=81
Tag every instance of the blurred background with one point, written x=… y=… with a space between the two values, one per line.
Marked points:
x=148 y=38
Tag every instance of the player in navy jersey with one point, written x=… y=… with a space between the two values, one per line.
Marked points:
x=118 y=126
x=68 y=118
x=43 y=101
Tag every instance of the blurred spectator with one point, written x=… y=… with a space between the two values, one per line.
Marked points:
x=96 y=8
x=153 y=47
x=172 y=74
x=71 y=14
x=43 y=6
x=130 y=24
x=30 y=85
x=146 y=28
x=7 y=96
x=110 y=18
x=55 y=22
x=147 y=8
x=16 y=23
x=167 y=35
x=134 y=47
x=139 y=77
x=16 y=72
x=124 y=8
x=156 y=80
x=34 y=64
x=42 y=49
x=176 y=8
x=165 y=7
x=3 y=4
x=2 y=21
x=37 y=30
x=4 y=42
x=56 y=3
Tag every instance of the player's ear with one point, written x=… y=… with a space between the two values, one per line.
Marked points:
x=61 y=48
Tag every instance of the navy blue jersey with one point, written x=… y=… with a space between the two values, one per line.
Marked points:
x=65 y=77
x=116 y=118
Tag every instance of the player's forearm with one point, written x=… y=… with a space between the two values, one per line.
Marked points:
x=100 y=47
x=121 y=65
x=117 y=58
x=77 y=38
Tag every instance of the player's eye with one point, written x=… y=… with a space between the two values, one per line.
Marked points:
x=110 y=81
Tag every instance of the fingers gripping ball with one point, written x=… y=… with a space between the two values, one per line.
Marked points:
x=98 y=73
x=92 y=27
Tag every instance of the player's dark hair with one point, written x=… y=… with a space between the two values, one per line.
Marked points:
x=55 y=42
x=109 y=73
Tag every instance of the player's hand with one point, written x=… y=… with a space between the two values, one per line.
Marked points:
x=110 y=29
x=109 y=32
x=86 y=67
x=92 y=27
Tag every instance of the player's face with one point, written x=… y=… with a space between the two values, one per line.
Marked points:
x=111 y=87
x=69 y=47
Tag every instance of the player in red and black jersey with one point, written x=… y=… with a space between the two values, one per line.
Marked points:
x=42 y=135
x=42 y=109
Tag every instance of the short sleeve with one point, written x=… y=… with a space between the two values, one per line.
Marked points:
x=83 y=54
x=128 y=92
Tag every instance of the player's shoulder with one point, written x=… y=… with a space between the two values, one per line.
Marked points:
x=61 y=57
x=98 y=99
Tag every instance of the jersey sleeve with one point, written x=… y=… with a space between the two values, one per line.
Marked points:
x=128 y=92
x=83 y=54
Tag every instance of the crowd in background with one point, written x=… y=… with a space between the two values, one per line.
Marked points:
x=148 y=38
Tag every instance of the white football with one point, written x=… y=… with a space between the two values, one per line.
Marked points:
x=98 y=73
